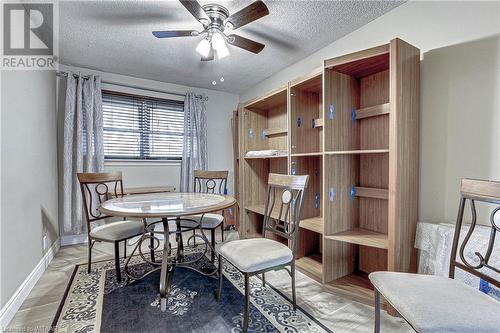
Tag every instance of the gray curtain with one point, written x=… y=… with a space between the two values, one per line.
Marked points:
x=194 y=152
x=83 y=149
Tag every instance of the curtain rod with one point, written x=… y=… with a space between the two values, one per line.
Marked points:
x=65 y=74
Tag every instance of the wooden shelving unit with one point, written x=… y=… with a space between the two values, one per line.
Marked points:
x=352 y=126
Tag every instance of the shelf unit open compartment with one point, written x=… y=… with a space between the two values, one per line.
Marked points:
x=309 y=243
x=266 y=123
x=356 y=115
x=306 y=114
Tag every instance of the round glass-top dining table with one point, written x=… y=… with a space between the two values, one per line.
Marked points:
x=171 y=206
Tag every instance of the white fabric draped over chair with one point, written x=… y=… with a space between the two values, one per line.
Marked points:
x=194 y=152
x=83 y=148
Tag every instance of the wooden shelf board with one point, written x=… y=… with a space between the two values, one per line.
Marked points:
x=353 y=286
x=264 y=157
x=275 y=131
x=373 y=111
x=311 y=266
x=269 y=101
x=313 y=223
x=307 y=154
x=363 y=151
x=259 y=209
x=372 y=192
x=361 y=237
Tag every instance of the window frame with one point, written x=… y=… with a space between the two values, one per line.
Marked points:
x=142 y=158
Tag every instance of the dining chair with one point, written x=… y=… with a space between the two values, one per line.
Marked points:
x=260 y=255
x=208 y=182
x=432 y=303
x=97 y=188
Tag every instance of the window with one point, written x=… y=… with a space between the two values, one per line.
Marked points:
x=141 y=127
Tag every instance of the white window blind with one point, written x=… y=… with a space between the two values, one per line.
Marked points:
x=141 y=127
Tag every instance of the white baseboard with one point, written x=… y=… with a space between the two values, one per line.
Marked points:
x=74 y=239
x=14 y=303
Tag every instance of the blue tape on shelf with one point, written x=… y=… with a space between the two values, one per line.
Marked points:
x=250 y=133
x=353 y=115
x=264 y=134
x=332 y=194
x=332 y=109
x=484 y=286
x=316 y=200
x=299 y=121
x=353 y=192
x=293 y=171
x=313 y=123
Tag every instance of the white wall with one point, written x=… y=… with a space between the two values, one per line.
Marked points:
x=459 y=90
x=220 y=106
x=28 y=174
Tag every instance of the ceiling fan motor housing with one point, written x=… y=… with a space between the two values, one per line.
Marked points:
x=217 y=14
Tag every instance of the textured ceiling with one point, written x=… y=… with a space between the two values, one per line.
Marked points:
x=115 y=36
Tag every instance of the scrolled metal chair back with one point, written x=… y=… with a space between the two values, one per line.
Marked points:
x=480 y=191
x=283 y=206
x=97 y=188
x=210 y=181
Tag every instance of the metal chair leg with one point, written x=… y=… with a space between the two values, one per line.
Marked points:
x=222 y=231
x=212 y=241
x=125 y=248
x=247 y=303
x=263 y=279
x=91 y=243
x=219 y=291
x=117 y=262
x=377 y=311
x=151 y=247
x=294 y=296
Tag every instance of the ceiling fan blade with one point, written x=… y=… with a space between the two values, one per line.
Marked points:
x=245 y=43
x=195 y=9
x=248 y=14
x=211 y=55
x=175 y=33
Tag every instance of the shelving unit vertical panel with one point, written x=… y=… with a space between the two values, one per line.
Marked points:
x=341 y=214
x=403 y=155
x=341 y=96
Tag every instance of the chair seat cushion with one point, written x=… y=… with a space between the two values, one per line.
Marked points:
x=252 y=255
x=117 y=230
x=210 y=221
x=438 y=304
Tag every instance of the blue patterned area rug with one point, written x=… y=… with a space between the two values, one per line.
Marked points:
x=96 y=303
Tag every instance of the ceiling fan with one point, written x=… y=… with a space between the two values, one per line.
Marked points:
x=216 y=20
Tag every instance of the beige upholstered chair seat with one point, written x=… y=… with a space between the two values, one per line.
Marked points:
x=117 y=230
x=435 y=304
x=256 y=254
x=210 y=221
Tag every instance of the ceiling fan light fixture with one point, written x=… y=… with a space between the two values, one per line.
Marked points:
x=219 y=44
x=222 y=52
x=203 y=47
